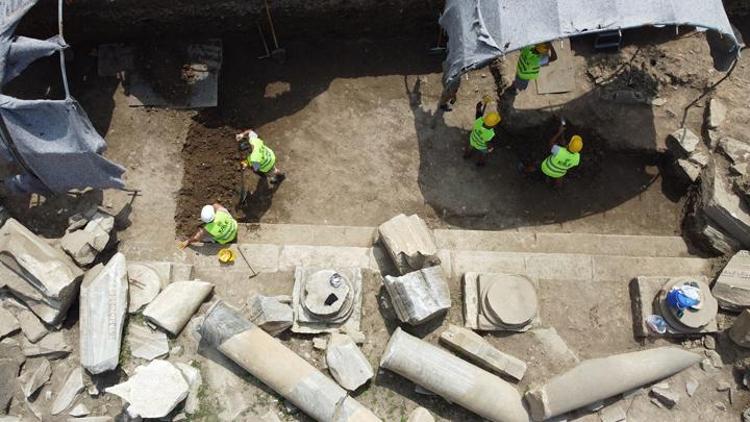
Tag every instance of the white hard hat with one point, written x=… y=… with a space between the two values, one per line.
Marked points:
x=207 y=214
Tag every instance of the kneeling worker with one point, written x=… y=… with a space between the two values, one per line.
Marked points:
x=219 y=226
x=562 y=159
x=261 y=158
x=482 y=132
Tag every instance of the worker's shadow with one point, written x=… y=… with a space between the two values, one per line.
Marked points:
x=259 y=200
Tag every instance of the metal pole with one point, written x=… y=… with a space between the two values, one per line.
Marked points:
x=63 y=71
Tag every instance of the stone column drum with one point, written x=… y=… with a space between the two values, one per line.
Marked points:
x=279 y=368
x=453 y=378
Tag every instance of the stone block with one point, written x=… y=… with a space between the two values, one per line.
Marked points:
x=339 y=310
x=737 y=151
x=8 y=323
x=732 y=287
x=176 y=304
x=717 y=112
x=9 y=374
x=346 y=363
x=40 y=276
x=146 y=343
x=32 y=328
x=144 y=283
x=409 y=242
x=419 y=296
x=420 y=414
x=740 y=330
x=478 y=350
x=269 y=314
x=193 y=377
x=34 y=378
x=724 y=207
x=71 y=388
x=499 y=302
x=153 y=391
x=683 y=141
x=103 y=306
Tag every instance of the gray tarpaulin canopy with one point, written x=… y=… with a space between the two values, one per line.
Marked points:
x=481 y=30
x=53 y=141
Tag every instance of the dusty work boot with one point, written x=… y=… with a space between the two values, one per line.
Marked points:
x=276 y=179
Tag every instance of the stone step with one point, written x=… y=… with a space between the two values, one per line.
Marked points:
x=539 y=265
x=479 y=240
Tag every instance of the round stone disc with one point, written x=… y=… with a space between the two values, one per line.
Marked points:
x=143 y=286
x=511 y=300
x=325 y=293
x=691 y=319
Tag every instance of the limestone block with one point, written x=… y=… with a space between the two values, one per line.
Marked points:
x=724 y=207
x=176 y=304
x=42 y=277
x=8 y=323
x=419 y=296
x=153 y=391
x=103 y=306
x=420 y=414
x=499 y=302
x=732 y=287
x=452 y=378
x=478 y=350
x=598 y=379
x=70 y=389
x=32 y=328
x=146 y=343
x=269 y=314
x=409 y=242
x=346 y=363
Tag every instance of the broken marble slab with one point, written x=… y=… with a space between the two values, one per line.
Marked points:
x=34 y=379
x=346 y=363
x=144 y=284
x=103 y=306
x=478 y=350
x=79 y=410
x=32 y=328
x=419 y=296
x=176 y=304
x=71 y=388
x=420 y=414
x=40 y=276
x=8 y=323
x=732 y=287
x=683 y=141
x=52 y=346
x=269 y=314
x=146 y=343
x=81 y=245
x=193 y=377
x=720 y=204
x=9 y=368
x=717 y=112
x=409 y=242
x=153 y=391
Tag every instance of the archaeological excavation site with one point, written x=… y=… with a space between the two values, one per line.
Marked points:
x=362 y=210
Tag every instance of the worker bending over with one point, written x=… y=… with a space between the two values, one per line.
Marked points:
x=482 y=133
x=219 y=226
x=562 y=158
x=260 y=158
x=532 y=58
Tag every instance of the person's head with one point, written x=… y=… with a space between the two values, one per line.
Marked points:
x=575 y=144
x=492 y=119
x=542 y=48
x=207 y=214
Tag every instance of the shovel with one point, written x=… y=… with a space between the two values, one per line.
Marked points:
x=278 y=54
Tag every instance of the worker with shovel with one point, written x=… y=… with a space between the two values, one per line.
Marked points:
x=219 y=227
x=260 y=158
x=482 y=132
x=562 y=158
x=530 y=61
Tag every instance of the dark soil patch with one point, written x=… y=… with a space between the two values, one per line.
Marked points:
x=212 y=171
x=162 y=64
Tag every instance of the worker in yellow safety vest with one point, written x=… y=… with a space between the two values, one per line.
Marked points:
x=562 y=158
x=482 y=132
x=530 y=61
x=260 y=157
x=218 y=226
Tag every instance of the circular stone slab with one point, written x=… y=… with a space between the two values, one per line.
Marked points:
x=326 y=291
x=510 y=300
x=143 y=286
x=691 y=319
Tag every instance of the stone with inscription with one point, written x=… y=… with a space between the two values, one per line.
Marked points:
x=103 y=305
x=732 y=288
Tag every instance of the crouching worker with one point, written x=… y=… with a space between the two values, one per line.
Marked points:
x=562 y=158
x=260 y=158
x=482 y=133
x=218 y=227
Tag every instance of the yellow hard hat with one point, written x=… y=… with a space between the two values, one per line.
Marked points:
x=492 y=119
x=226 y=256
x=575 y=144
x=542 y=48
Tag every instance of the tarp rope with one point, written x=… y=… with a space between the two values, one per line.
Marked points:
x=63 y=71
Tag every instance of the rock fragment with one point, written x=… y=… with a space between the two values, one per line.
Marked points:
x=270 y=314
x=478 y=350
x=35 y=378
x=32 y=328
x=732 y=287
x=690 y=386
x=666 y=396
x=70 y=389
x=176 y=304
x=683 y=141
x=79 y=410
x=739 y=333
x=53 y=346
x=193 y=377
x=717 y=112
x=42 y=277
x=420 y=414
x=612 y=413
x=419 y=296
x=8 y=323
x=346 y=363
x=146 y=343
x=103 y=306
x=9 y=374
x=409 y=242
x=723 y=206
x=153 y=391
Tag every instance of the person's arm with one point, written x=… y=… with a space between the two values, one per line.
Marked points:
x=246 y=133
x=219 y=207
x=195 y=238
x=480 y=110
